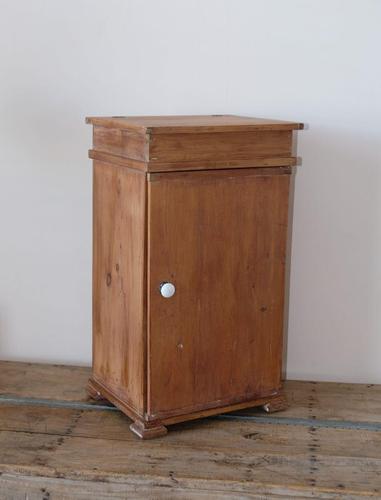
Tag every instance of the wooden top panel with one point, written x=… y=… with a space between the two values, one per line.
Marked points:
x=192 y=123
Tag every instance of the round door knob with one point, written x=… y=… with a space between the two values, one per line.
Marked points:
x=167 y=290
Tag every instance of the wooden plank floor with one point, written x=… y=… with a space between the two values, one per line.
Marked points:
x=56 y=443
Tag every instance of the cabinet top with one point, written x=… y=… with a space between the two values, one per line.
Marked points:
x=192 y=123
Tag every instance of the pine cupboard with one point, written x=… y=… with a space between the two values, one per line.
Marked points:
x=189 y=246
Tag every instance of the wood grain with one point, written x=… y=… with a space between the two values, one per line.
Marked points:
x=193 y=124
x=218 y=233
x=157 y=166
x=307 y=399
x=127 y=143
x=181 y=142
x=319 y=400
x=219 y=146
x=119 y=282
x=17 y=487
x=211 y=457
x=192 y=148
x=47 y=381
x=218 y=340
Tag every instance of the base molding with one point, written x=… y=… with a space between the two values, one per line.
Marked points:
x=93 y=391
x=151 y=426
x=108 y=394
x=269 y=403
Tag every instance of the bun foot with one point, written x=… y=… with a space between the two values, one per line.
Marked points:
x=278 y=403
x=148 y=431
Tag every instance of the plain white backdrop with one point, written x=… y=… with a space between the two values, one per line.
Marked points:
x=315 y=62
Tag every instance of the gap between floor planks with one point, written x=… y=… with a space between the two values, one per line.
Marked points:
x=232 y=456
x=273 y=419
x=321 y=401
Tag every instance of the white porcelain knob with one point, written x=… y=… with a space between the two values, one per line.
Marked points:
x=167 y=290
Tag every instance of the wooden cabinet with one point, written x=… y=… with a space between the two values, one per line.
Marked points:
x=190 y=237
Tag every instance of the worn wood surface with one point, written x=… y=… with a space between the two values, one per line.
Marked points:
x=173 y=143
x=229 y=279
x=332 y=401
x=306 y=399
x=120 y=142
x=183 y=147
x=234 y=456
x=268 y=161
x=219 y=234
x=119 y=234
x=48 y=452
x=213 y=146
x=46 y=381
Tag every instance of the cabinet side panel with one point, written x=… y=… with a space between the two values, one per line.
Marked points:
x=119 y=282
x=220 y=237
x=126 y=143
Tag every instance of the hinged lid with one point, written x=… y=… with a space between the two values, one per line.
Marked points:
x=168 y=143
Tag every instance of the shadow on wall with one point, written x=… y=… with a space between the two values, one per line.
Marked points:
x=288 y=266
x=2 y=333
x=334 y=272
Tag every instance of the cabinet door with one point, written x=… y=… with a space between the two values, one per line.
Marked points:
x=220 y=238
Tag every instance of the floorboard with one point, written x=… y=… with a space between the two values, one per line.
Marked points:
x=56 y=443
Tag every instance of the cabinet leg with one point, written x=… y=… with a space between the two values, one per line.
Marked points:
x=277 y=403
x=93 y=392
x=148 y=431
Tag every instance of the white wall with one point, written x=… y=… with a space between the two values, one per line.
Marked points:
x=316 y=62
